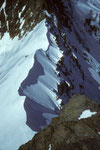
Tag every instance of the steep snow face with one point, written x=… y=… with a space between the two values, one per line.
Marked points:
x=40 y=86
x=17 y=57
x=50 y=147
x=77 y=30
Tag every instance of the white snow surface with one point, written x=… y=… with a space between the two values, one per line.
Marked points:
x=47 y=14
x=86 y=114
x=99 y=133
x=16 y=59
x=3 y=5
x=49 y=147
x=49 y=81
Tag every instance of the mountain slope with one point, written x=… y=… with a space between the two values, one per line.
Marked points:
x=27 y=73
x=16 y=61
x=77 y=31
x=49 y=51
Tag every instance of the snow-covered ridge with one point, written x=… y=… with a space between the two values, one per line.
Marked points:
x=16 y=60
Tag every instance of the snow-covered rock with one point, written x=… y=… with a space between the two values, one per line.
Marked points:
x=86 y=114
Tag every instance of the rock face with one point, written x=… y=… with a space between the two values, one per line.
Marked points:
x=17 y=17
x=79 y=41
x=68 y=132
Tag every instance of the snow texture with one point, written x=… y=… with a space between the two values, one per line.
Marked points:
x=86 y=114
x=40 y=86
x=17 y=59
x=49 y=147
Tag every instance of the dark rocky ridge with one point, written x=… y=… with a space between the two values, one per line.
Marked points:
x=75 y=36
x=10 y=20
x=66 y=132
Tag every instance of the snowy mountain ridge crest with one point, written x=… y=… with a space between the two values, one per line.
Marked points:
x=47 y=54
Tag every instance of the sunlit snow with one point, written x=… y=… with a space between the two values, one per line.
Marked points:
x=14 y=67
x=86 y=114
x=99 y=133
x=16 y=60
x=49 y=147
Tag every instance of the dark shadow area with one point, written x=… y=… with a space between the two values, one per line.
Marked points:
x=35 y=111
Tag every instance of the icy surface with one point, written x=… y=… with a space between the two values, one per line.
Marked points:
x=3 y=5
x=86 y=114
x=28 y=85
x=16 y=59
x=40 y=86
x=49 y=147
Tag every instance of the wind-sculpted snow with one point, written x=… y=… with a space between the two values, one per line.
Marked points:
x=40 y=87
x=16 y=59
x=27 y=67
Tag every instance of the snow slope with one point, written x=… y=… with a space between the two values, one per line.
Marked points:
x=40 y=86
x=16 y=60
x=78 y=33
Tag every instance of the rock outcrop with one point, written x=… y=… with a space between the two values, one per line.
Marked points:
x=17 y=17
x=68 y=132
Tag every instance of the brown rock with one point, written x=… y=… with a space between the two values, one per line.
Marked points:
x=66 y=132
x=12 y=16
